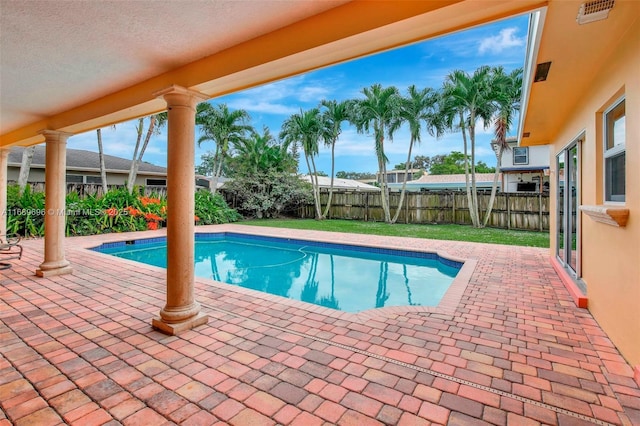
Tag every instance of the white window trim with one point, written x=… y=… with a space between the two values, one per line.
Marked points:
x=611 y=152
x=527 y=155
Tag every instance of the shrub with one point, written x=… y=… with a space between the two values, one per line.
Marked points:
x=269 y=194
x=212 y=209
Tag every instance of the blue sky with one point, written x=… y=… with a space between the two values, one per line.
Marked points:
x=424 y=64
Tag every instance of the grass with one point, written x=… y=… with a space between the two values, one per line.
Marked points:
x=435 y=232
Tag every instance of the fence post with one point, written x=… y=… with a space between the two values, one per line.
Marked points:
x=508 y=212
x=406 y=210
x=453 y=196
x=540 y=210
x=366 y=207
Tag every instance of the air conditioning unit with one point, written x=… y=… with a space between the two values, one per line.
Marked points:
x=593 y=11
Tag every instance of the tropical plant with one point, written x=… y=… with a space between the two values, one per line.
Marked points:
x=226 y=129
x=420 y=106
x=377 y=113
x=465 y=100
x=212 y=209
x=260 y=153
x=507 y=93
x=156 y=122
x=333 y=115
x=306 y=128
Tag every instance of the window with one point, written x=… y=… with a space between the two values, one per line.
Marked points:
x=521 y=155
x=614 y=152
x=156 y=182
x=75 y=179
x=93 y=179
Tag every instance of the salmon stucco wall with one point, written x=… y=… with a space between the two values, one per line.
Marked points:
x=610 y=255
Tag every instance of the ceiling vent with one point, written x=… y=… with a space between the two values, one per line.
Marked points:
x=595 y=10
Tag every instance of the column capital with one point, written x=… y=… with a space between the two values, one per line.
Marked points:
x=180 y=96
x=53 y=135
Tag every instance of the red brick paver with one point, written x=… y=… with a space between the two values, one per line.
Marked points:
x=509 y=347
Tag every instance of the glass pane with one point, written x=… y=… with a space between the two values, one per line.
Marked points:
x=572 y=180
x=615 y=122
x=560 y=251
x=615 y=167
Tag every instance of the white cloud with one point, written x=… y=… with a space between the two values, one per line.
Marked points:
x=504 y=40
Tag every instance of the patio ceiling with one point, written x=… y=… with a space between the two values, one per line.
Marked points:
x=75 y=66
x=577 y=53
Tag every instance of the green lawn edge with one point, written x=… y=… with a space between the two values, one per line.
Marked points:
x=434 y=232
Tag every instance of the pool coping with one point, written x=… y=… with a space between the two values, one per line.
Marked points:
x=447 y=305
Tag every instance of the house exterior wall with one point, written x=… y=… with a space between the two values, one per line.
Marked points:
x=538 y=157
x=610 y=255
x=37 y=175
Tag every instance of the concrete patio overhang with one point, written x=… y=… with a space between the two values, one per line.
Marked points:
x=576 y=53
x=108 y=61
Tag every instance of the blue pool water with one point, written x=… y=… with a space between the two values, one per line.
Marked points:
x=344 y=277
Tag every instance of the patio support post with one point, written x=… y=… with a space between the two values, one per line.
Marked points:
x=4 y=159
x=181 y=312
x=54 y=204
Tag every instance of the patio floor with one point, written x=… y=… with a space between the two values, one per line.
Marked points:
x=79 y=349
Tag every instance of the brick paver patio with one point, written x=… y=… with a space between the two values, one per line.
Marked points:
x=79 y=349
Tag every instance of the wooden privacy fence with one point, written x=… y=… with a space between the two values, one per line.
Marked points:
x=510 y=211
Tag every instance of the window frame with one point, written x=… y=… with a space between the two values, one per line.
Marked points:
x=608 y=118
x=155 y=179
x=525 y=155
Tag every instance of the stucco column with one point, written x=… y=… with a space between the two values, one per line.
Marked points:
x=181 y=312
x=54 y=204
x=4 y=159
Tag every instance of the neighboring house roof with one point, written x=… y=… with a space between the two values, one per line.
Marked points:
x=344 y=184
x=455 y=182
x=81 y=160
x=458 y=178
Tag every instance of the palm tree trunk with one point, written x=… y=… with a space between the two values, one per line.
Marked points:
x=316 y=202
x=316 y=190
x=494 y=186
x=404 y=183
x=25 y=166
x=474 y=219
x=132 y=170
x=103 y=170
x=333 y=167
x=136 y=164
x=474 y=188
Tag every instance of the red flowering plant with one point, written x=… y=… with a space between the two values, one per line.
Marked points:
x=153 y=210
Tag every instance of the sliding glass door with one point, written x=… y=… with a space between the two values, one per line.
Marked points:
x=568 y=201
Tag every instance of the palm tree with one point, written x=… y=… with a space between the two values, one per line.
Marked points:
x=466 y=99
x=507 y=93
x=259 y=153
x=223 y=127
x=156 y=122
x=306 y=128
x=333 y=115
x=417 y=108
x=377 y=113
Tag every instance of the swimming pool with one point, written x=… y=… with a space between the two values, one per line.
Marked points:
x=345 y=277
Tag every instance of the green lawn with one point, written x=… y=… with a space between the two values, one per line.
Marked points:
x=436 y=232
